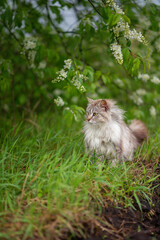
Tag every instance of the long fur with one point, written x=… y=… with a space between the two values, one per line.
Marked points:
x=139 y=130
x=107 y=134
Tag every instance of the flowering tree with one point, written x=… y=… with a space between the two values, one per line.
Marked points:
x=107 y=53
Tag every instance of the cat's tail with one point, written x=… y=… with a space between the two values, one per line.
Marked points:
x=139 y=130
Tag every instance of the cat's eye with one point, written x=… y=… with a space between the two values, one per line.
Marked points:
x=94 y=114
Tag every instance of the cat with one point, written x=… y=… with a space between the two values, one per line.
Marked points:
x=107 y=135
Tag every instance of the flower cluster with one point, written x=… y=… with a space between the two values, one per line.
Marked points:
x=119 y=82
x=155 y=80
x=59 y=102
x=118 y=9
x=124 y=27
x=136 y=99
x=62 y=74
x=30 y=43
x=112 y=4
x=31 y=57
x=76 y=82
x=152 y=111
x=42 y=65
x=68 y=64
x=141 y=92
x=116 y=49
x=29 y=48
x=144 y=21
x=145 y=77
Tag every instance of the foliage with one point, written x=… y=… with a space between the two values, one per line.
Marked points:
x=110 y=56
x=48 y=185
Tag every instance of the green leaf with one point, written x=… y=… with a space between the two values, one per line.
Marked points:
x=18 y=18
x=137 y=200
x=126 y=19
x=97 y=75
x=136 y=65
x=130 y=64
x=8 y=15
x=115 y=19
x=106 y=12
x=106 y=79
x=128 y=43
x=126 y=54
x=55 y=10
x=89 y=72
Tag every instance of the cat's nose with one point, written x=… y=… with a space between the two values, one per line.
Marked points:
x=89 y=118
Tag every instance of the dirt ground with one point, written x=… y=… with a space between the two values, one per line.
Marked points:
x=128 y=224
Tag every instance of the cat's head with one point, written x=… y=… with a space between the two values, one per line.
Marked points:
x=102 y=110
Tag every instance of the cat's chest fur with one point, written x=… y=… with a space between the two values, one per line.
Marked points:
x=103 y=138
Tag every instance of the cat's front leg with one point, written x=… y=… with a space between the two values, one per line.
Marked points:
x=116 y=156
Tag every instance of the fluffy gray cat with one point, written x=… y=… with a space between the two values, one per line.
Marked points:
x=106 y=134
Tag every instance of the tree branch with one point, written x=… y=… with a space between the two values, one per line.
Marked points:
x=57 y=30
x=95 y=8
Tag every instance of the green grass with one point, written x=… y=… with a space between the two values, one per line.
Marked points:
x=48 y=185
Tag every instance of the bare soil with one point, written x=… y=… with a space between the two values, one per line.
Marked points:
x=128 y=224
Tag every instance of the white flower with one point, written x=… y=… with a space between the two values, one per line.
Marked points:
x=59 y=102
x=110 y=3
x=145 y=77
x=155 y=80
x=29 y=48
x=42 y=65
x=57 y=92
x=123 y=26
x=119 y=82
x=77 y=78
x=144 y=22
x=141 y=92
x=62 y=73
x=152 y=111
x=68 y=64
x=133 y=34
x=116 y=49
x=102 y=90
x=74 y=99
x=118 y=9
x=31 y=57
x=30 y=43
x=75 y=81
x=136 y=99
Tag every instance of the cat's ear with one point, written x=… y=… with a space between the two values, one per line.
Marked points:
x=90 y=100
x=104 y=104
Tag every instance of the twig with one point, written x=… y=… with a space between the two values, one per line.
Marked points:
x=95 y=8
